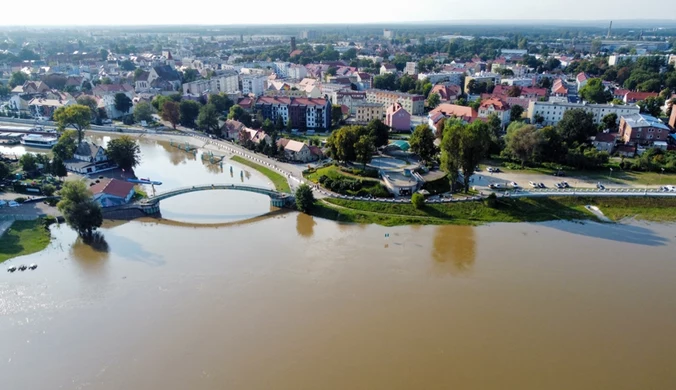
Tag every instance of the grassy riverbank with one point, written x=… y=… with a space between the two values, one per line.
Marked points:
x=505 y=210
x=23 y=238
x=280 y=182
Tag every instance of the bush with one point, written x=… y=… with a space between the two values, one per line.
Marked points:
x=492 y=200
x=48 y=220
x=20 y=199
x=52 y=201
x=48 y=189
x=418 y=201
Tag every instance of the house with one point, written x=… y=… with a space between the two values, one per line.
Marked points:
x=164 y=78
x=40 y=107
x=231 y=129
x=411 y=68
x=350 y=99
x=106 y=93
x=559 y=88
x=296 y=151
x=141 y=84
x=112 y=192
x=581 y=80
x=672 y=118
x=465 y=113
x=604 y=142
x=414 y=104
x=256 y=136
x=304 y=113
x=492 y=106
x=552 y=112
x=364 y=81
x=626 y=151
x=634 y=97
x=89 y=158
x=642 y=129
x=366 y=112
x=387 y=69
x=397 y=118
x=31 y=87
x=447 y=93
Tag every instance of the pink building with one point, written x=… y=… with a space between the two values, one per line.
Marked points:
x=397 y=118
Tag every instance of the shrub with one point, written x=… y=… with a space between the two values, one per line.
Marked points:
x=418 y=201
x=48 y=220
x=20 y=199
x=492 y=200
x=48 y=189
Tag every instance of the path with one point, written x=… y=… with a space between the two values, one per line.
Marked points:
x=4 y=225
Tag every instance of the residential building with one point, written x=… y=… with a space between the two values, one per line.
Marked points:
x=411 y=68
x=642 y=129
x=605 y=142
x=89 y=158
x=452 y=77
x=304 y=113
x=387 y=69
x=164 y=78
x=297 y=72
x=141 y=83
x=255 y=136
x=559 y=88
x=106 y=93
x=253 y=84
x=581 y=80
x=364 y=81
x=413 y=104
x=489 y=107
x=552 y=112
x=225 y=83
x=350 y=99
x=482 y=77
x=231 y=129
x=635 y=97
x=446 y=110
x=296 y=151
x=388 y=34
x=40 y=107
x=447 y=93
x=397 y=118
x=366 y=112
x=616 y=59
x=112 y=192
x=672 y=118
x=310 y=35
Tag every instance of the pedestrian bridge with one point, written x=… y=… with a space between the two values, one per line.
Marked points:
x=151 y=205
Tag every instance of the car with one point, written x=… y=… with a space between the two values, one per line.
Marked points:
x=13 y=203
x=514 y=184
x=558 y=185
x=495 y=186
x=565 y=184
x=533 y=184
x=490 y=169
x=600 y=186
x=542 y=185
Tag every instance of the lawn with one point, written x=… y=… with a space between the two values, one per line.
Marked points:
x=334 y=173
x=640 y=208
x=23 y=238
x=280 y=182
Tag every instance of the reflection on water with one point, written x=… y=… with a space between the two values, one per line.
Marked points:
x=454 y=248
x=305 y=225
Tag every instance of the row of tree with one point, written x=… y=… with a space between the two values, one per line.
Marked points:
x=357 y=143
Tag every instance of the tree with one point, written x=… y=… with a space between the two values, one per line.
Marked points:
x=65 y=146
x=379 y=131
x=576 y=126
x=4 y=170
x=76 y=115
x=171 y=112
x=515 y=113
x=449 y=144
x=386 y=81
x=124 y=151
x=595 y=92
x=521 y=142
x=127 y=65
x=48 y=189
x=90 y=102
x=59 y=168
x=433 y=100
x=4 y=90
x=17 y=78
x=305 y=199
x=341 y=143
x=364 y=149
x=143 y=112
x=189 y=111
x=79 y=209
x=465 y=147
x=103 y=54
x=123 y=103
x=514 y=91
x=208 y=118
x=190 y=75
x=422 y=142
x=236 y=112
x=652 y=105
x=336 y=114
x=418 y=201
x=222 y=103
x=106 y=81
x=610 y=121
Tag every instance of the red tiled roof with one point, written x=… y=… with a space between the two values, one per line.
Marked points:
x=455 y=110
x=294 y=101
x=446 y=92
x=605 y=137
x=496 y=103
x=638 y=96
x=582 y=76
x=112 y=187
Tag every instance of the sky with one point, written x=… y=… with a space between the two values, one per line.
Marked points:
x=224 y=12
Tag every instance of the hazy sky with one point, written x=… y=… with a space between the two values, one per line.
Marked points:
x=140 y=12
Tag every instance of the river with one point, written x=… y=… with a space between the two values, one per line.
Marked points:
x=287 y=301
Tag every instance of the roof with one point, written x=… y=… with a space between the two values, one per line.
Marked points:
x=638 y=96
x=605 y=137
x=582 y=76
x=166 y=72
x=294 y=101
x=389 y=66
x=87 y=149
x=232 y=126
x=403 y=145
x=455 y=110
x=446 y=92
x=496 y=103
x=143 y=76
x=294 y=146
x=396 y=107
x=113 y=187
x=296 y=52
x=643 y=120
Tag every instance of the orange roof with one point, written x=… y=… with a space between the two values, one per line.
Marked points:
x=496 y=103
x=112 y=187
x=455 y=110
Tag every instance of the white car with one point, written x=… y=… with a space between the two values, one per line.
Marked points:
x=489 y=169
x=14 y=203
x=533 y=184
x=514 y=184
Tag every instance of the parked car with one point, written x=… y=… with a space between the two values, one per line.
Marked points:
x=495 y=186
x=600 y=186
x=490 y=169
x=558 y=185
x=514 y=184
x=533 y=184
x=542 y=185
x=565 y=184
x=13 y=203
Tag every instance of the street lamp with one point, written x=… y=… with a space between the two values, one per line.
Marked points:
x=610 y=175
x=661 y=173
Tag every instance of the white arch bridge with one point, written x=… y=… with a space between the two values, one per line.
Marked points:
x=151 y=205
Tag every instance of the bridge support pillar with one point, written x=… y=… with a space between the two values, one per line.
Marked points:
x=275 y=202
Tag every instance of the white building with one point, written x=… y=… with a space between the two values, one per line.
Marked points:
x=253 y=84
x=617 y=58
x=226 y=83
x=411 y=68
x=552 y=112
x=454 y=78
x=296 y=72
x=525 y=82
x=388 y=34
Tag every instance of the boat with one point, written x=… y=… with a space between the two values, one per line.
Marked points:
x=145 y=181
x=40 y=141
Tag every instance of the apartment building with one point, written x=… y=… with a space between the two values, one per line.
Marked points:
x=414 y=104
x=225 y=83
x=304 y=113
x=454 y=78
x=253 y=84
x=411 y=68
x=297 y=72
x=642 y=129
x=483 y=77
x=350 y=99
x=366 y=112
x=552 y=112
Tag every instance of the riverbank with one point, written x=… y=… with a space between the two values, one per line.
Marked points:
x=503 y=210
x=23 y=238
x=279 y=181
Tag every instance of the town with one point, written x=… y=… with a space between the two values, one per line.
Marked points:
x=300 y=205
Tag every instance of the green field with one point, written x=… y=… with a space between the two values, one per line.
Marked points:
x=23 y=238
x=280 y=182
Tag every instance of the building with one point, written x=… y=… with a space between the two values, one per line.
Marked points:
x=482 y=77
x=454 y=78
x=672 y=118
x=604 y=142
x=616 y=59
x=226 y=83
x=387 y=69
x=89 y=158
x=255 y=136
x=366 y=112
x=581 y=80
x=40 y=107
x=414 y=104
x=411 y=68
x=489 y=107
x=253 y=84
x=552 y=112
x=231 y=129
x=296 y=151
x=635 y=97
x=296 y=72
x=397 y=118
x=350 y=99
x=465 y=113
x=141 y=83
x=164 y=78
x=310 y=35
x=304 y=113
x=112 y=192
x=388 y=34
x=642 y=129
x=447 y=93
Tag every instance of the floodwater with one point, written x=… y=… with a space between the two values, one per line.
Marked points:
x=287 y=301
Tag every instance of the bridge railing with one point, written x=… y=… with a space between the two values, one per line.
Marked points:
x=206 y=187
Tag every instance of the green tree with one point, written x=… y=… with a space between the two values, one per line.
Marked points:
x=127 y=65
x=59 y=168
x=79 y=209
x=449 y=144
x=422 y=142
x=28 y=162
x=466 y=146
x=208 y=118
x=122 y=102
x=418 y=201
x=379 y=131
x=364 y=149
x=610 y=121
x=106 y=81
x=77 y=116
x=103 y=54
x=189 y=111
x=341 y=143
x=171 y=112
x=4 y=90
x=190 y=75
x=433 y=100
x=125 y=152
x=576 y=126
x=89 y=101
x=65 y=146
x=515 y=113
x=143 y=111
x=17 y=78
x=521 y=142
x=514 y=91
x=652 y=106
x=336 y=114
x=48 y=189
x=222 y=103
x=4 y=170
x=595 y=92
x=305 y=199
